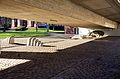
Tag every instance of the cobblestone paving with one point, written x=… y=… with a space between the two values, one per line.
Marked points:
x=99 y=59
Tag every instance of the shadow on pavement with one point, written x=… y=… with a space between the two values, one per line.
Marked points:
x=98 y=59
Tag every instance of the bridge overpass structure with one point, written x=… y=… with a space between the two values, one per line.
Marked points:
x=76 y=13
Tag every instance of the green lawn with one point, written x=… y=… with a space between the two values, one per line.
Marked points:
x=34 y=30
x=28 y=33
x=56 y=31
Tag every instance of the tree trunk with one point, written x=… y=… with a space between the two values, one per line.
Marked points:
x=36 y=29
x=4 y=28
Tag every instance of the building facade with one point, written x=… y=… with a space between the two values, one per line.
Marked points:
x=14 y=23
x=77 y=30
x=27 y=23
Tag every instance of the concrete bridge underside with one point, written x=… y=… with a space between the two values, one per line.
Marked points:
x=67 y=12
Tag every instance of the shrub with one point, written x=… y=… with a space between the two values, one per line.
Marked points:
x=21 y=28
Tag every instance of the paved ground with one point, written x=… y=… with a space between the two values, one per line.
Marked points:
x=53 y=43
x=99 y=59
x=50 y=45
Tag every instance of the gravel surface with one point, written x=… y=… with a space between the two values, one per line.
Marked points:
x=98 y=59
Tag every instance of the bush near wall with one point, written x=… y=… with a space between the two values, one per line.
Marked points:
x=21 y=28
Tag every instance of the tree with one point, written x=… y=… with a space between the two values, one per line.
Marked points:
x=5 y=22
x=36 y=28
x=47 y=27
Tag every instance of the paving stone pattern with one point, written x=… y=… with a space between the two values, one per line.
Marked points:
x=6 y=63
x=98 y=59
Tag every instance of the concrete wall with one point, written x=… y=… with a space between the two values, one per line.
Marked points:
x=112 y=32
x=84 y=31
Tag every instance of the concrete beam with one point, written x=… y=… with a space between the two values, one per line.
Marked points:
x=53 y=11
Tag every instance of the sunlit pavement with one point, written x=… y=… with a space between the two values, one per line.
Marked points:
x=50 y=45
x=7 y=63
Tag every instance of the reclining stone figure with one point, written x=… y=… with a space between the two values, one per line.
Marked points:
x=96 y=33
x=34 y=42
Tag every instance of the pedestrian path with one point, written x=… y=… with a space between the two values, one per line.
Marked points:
x=49 y=45
x=97 y=59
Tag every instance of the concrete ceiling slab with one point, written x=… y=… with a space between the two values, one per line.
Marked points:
x=54 y=11
x=107 y=11
x=105 y=8
x=26 y=12
x=96 y=4
x=116 y=16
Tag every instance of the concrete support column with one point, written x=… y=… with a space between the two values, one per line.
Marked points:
x=29 y=24
x=13 y=24
x=35 y=24
x=76 y=30
x=69 y=30
x=18 y=23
